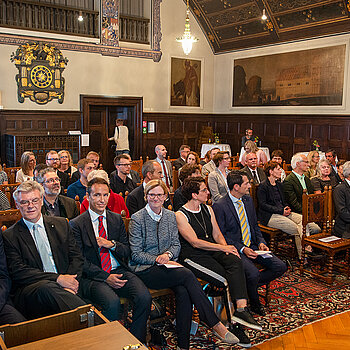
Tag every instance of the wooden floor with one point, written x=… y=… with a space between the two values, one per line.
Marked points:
x=330 y=333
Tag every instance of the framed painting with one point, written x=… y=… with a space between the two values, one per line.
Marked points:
x=185 y=82
x=312 y=77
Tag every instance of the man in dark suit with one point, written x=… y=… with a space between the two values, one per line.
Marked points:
x=331 y=156
x=8 y=314
x=54 y=203
x=252 y=170
x=135 y=201
x=44 y=262
x=235 y=214
x=53 y=161
x=101 y=236
x=341 y=197
x=180 y=162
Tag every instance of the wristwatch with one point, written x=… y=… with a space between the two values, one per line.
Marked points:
x=114 y=244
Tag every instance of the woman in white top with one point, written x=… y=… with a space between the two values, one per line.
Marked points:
x=121 y=138
x=28 y=163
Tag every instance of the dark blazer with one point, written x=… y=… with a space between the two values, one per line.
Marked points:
x=5 y=282
x=261 y=174
x=64 y=179
x=86 y=241
x=178 y=163
x=266 y=201
x=244 y=139
x=341 y=197
x=293 y=191
x=335 y=174
x=117 y=185
x=68 y=208
x=24 y=263
x=229 y=224
x=135 y=201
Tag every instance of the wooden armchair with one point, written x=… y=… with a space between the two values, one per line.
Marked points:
x=319 y=208
x=9 y=217
x=8 y=191
x=11 y=174
x=176 y=182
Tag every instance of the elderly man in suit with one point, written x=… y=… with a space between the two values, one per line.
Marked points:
x=252 y=170
x=102 y=238
x=44 y=262
x=235 y=214
x=54 y=203
x=165 y=164
x=341 y=197
x=180 y=162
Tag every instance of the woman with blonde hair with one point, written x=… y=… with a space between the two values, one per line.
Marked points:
x=251 y=147
x=323 y=177
x=28 y=163
x=313 y=157
x=66 y=163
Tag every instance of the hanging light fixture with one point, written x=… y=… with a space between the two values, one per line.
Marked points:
x=187 y=38
x=264 y=17
x=80 y=18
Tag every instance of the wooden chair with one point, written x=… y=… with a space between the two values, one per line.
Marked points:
x=77 y=203
x=176 y=182
x=50 y=326
x=286 y=167
x=8 y=191
x=319 y=208
x=9 y=217
x=11 y=173
x=137 y=166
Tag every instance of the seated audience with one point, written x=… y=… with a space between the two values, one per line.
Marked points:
x=154 y=244
x=8 y=314
x=236 y=217
x=38 y=168
x=205 y=252
x=252 y=170
x=206 y=159
x=135 y=201
x=217 y=179
x=341 y=198
x=192 y=158
x=248 y=136
x=180 y=162
x=251 y=147
x=210 y=166
x=313 y=157
x=331 y=155
x=188 y=170
x=277 y=156
x=3 y=176
x=340 y=165
x=273 y=209
x=94 y=158
x=161 y=152
x=101 y=236
x=4 y=202
x=115 y=203
x=66 y=163
x=119 y=180
x=54 y=203
x=78 y=188
x=324 y=177
x=28 y=163
x=44 y=263
x=53 y=161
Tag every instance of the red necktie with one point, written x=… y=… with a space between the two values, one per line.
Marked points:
x=104 y=252
x=165 y=174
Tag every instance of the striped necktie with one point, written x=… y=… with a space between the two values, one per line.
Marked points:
x=104 y=252
x=244 y=224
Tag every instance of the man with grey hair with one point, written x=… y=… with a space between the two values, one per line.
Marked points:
x=54 y=203
x=180 y=162
x=165 y=164
x=135 y=201
x=44 y=263
x=341 y=197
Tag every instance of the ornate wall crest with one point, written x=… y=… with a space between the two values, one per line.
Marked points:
x=40 y=67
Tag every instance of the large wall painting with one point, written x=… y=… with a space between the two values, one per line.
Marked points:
x=185 y=82
x=303 y=78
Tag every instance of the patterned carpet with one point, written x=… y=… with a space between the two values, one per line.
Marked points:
x=295 y=301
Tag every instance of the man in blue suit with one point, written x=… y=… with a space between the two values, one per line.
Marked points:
x=236 y=216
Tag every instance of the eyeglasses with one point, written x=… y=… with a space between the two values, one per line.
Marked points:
x=126 y=164
x=155 y=195
x=53 y=180
x=25 y=203
x=54 y=159
x=64 y=157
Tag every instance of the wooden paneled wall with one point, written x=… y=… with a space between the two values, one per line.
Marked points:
x=291 y=133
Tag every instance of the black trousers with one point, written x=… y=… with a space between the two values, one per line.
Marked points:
x=187 y=291
x=9 y=314
x=45 y=298
x=220 y=269
x=108 y=299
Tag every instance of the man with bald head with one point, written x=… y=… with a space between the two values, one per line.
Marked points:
x=165 y=164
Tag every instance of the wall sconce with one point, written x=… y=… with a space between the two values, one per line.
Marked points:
x=264 y=17
x=80 y=18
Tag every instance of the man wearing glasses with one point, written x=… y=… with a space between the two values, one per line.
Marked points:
x=53 y=160
x=119 y=180
x=44 y=263
x=54 y=203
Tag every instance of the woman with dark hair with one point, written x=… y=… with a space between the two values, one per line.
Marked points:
x=28 y=163
x=155 y=247
x=192 y=158
x=204 y=250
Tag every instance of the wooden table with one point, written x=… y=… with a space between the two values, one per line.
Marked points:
x=110 y=335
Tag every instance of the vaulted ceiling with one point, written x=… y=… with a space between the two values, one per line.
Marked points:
x=237 y=24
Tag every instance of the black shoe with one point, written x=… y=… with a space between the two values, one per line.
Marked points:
x=238 y=331
x=246 y=319
x=258 y=309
